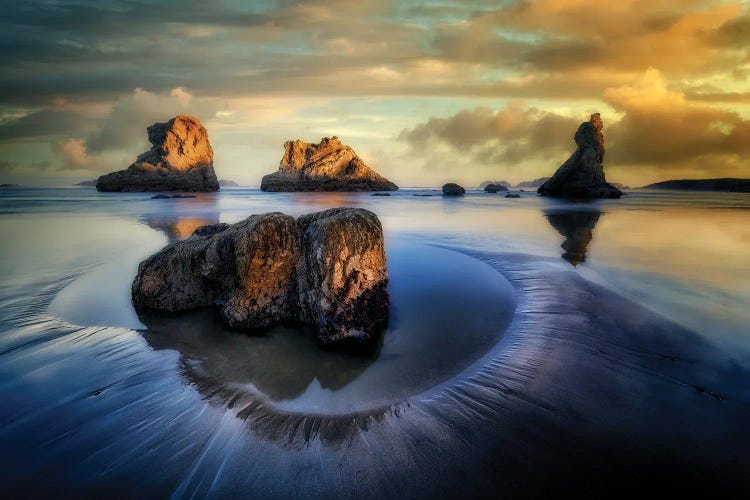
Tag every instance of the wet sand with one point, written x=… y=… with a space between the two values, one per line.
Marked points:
x=585 y=390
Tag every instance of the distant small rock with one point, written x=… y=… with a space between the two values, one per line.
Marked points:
x=533 y=184
x=453 y=189
x=227 y=183
x=183 y=196
x=10 y=185
x=161 y=197
x=512 y=195
x=86 y=183
x=494 y=188
x=422 y=195
x=484 y=184
x=380 y=194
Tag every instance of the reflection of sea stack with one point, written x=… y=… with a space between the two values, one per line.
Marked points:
x=582 y=176
x=577 y=228
x=180 y=159
x=328 y=166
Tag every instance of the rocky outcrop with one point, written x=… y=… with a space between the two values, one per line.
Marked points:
x=327 y=166
x=453 y=189
x=494 y=188
x=484 y=184
x=228 y=183
x=326 y=269
x=730 y=185
x=180 y=159
x=582 y=176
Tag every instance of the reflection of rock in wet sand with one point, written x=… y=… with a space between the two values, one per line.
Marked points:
x=577 y=228
x=178 y=228
x=178 y=218
x=281 y=365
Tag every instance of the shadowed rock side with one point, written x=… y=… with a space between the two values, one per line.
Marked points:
x=326 y=269
x=578 y=230
x=328 y=166
x=582 y=175
x=180 y=159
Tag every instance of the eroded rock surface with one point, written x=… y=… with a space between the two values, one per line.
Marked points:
x=582 y=175
x=327 y=269
x=180 y=159
x=327 y=166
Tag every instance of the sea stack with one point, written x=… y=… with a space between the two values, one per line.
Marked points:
x=327 y=166
x=326 y=269
x=582 y=175
x=180 y=159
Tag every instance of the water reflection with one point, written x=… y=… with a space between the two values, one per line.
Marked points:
x=438 y=326
x=178 y=218
x=577 y=227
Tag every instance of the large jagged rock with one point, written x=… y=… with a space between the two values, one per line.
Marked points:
x=328 y=166
x=582 y=176
x=326 y=269
x=180 y=159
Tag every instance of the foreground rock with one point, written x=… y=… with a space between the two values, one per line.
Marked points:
x=494 y=188
x=180 y=159
x=326 y=269
x=327 y=166
x=453 y=189
x=730 y=185
x=582 y=176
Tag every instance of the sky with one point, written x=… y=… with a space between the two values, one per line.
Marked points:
x=425 y=92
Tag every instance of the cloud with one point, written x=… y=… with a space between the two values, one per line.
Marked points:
x=661 y=129
x=43 y=124
x=124 y=128
x=511 y=136
x=73 y=153
x=653 y=132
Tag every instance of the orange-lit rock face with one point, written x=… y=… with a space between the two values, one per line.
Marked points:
x=179 y=145
x=180 y=159
x=326 y=269
x=327 y=166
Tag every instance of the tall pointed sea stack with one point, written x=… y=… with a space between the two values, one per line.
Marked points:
x=582 y=176
x=328 y=166
x=180 y=159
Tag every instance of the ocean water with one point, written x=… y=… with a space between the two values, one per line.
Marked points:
x=534 y=345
